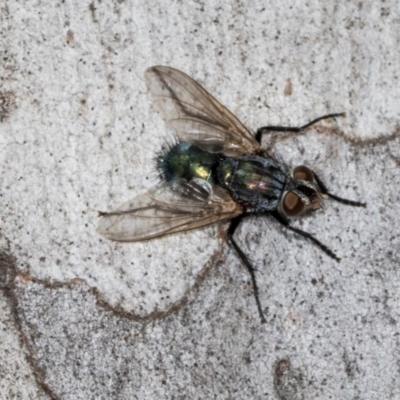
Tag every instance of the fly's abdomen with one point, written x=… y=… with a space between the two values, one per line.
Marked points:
x=186 y=161
x=256 y=181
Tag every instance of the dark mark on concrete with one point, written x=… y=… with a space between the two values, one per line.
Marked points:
x=288 y=381
x=288 y=88
x=7 y=104
x=92 y=10
x=69 y=37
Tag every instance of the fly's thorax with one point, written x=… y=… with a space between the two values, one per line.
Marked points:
x=256 y=181
x=186 y=161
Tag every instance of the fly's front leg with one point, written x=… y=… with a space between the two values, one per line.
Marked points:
x=232 y=228
x=307 y=235
x=265 y=129
x=325 y=190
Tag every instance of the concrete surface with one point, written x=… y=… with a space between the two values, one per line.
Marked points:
x=174 y=318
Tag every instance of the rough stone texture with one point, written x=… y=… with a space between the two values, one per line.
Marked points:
x=83 y=318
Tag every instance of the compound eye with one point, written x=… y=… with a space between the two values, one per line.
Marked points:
x=292 y=204
x=303 y=173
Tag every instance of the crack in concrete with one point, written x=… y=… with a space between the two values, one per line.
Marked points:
x=8 y=274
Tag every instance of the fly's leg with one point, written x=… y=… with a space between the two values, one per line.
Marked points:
x=265 y=129
x=307 y=235
x=325 y=190
x=232 y=228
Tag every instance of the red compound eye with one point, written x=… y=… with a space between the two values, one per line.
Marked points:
x=292 y=204
x=303 y=173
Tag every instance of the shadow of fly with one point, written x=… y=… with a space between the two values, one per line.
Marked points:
x=216 y=171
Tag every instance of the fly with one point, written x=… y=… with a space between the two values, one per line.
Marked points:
x=217 y=171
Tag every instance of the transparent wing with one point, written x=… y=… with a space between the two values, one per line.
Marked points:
x=195 y=115
x=166 y=208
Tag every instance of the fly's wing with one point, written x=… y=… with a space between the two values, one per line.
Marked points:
x=195 y=115
x=166 y=208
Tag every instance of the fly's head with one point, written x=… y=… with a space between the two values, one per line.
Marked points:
x=302 y=193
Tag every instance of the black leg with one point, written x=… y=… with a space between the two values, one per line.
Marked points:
x=325 y=190
x=307 y=235
x=232 y=228
x=264 y=129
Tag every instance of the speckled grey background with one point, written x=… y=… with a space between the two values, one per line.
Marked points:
x=82 y=318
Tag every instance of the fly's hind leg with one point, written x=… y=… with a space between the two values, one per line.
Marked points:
x=232 y=228
x=265 y=129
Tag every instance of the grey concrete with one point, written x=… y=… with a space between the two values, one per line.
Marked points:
x=83 y=318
